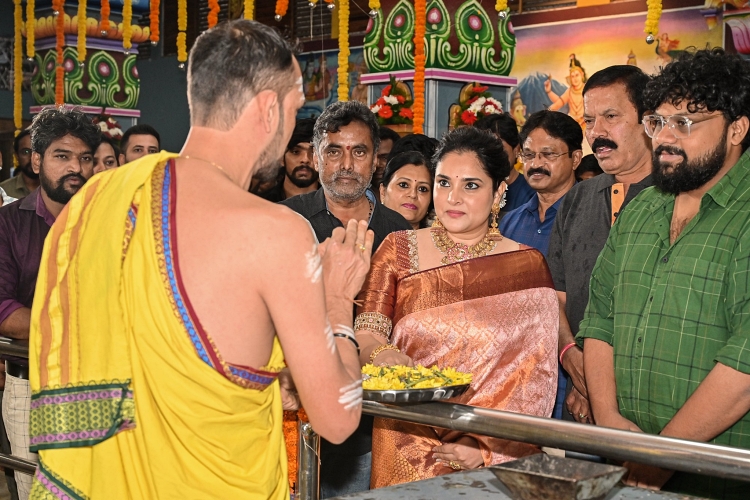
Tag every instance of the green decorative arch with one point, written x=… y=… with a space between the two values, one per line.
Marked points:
x=398 y=35
x=43 y=82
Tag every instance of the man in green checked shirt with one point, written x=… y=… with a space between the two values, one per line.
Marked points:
x=667 y=328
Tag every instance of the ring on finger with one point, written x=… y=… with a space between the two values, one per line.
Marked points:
x=361 y=247
x=455 y=465
x=582 y=416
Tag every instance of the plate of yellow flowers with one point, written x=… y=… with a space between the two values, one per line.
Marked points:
x=412 y=384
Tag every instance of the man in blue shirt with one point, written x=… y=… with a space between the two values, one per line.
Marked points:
x=551 y=153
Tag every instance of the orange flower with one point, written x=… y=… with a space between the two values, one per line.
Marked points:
x=400 y=99
x=406 y=113
x=479 y=90
x=468 y=118
x=385 y=112
x=153 y=17
x=420 y=26
x=386 y=90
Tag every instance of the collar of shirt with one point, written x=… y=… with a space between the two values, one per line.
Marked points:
x=607 y=180
x=21 y=185
x=35 y=202
x=532 y=206
x=320 y=203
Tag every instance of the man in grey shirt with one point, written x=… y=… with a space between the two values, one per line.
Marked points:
x=612 y=113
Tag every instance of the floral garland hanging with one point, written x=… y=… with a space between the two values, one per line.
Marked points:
x=127 y=27
x=249 y=9
x=104 y=23
x=153 y=18
x=374 y=7
x=213 y=13
x=501 y=6
x=17 y=65
x=652 y=19
x=59 y=14
x=81 y=32
x=281 y=7
x=343 y=71
x=182 y=36
x=30 y=27
x=420 y=24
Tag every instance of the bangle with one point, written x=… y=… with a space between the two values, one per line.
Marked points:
x=381 y=348
x=345 y=336
x=565 y=349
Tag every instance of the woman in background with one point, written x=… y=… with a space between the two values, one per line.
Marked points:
x=407 y=187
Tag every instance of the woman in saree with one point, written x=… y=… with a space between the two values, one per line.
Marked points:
x=460 y=295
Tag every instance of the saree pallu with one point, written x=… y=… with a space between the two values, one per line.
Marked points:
x=130 y=397
x=495 y=317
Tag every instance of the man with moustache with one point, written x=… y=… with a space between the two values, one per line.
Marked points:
x=299 y=175
x=666 y=331
x=613 y=107
x=345 y=143
x=26 y=181
x=63 y=144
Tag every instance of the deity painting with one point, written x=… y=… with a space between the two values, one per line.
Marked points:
x=573 y=96
x=317 y=79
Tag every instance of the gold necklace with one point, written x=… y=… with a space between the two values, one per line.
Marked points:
x=457 y=252
x=212 y=163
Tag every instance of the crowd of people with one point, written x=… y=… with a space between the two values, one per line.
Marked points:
x=611 y=289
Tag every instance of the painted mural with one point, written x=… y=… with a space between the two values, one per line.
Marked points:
x=320 y=80
x=553 y=61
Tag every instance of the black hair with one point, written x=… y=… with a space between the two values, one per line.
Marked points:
x=342 y=113
x=114 y=147
x=52 y=124
x=558 y=125
x=140 y=129
x=485 y=145
x=303 y=132
x=503 y=125
x=707 y=80
x=415 y=142
x=17 y=139
x=632 y=77
x=387 y=134
x=232 y=63
x=589 y=163
x=403 y=159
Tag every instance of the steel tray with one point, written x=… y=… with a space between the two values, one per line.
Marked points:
x=416 y=395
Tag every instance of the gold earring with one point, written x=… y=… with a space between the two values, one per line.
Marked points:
x=494 y=232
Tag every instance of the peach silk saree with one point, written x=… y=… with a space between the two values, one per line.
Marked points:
x=494 y=316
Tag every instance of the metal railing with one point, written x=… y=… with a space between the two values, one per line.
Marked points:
x=669 y=453
x=18 y=348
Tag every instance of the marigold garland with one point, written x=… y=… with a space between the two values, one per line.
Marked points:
x=17 y=65
x=420 y=24
x=58 y=6
x=213 y=13
x=30 y=27
x=249 y=9
x=81 y=31
x=127 y=27
x=182 y=27
x=104 y=23
x=153 y=17
x=281 y=7
x=653 y=16
x=343 y=71
x=501 y=5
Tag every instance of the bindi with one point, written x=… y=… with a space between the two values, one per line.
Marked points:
x=348 y=148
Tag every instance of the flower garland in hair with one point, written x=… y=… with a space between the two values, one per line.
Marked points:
x=652 y=19
x=182 y=36
x=249 y=9
x=153 y=17
x=17 y=65
x=343 y=70
x=420 y=24
x=57 y=6
x=281 y=7
x=213 y=13
x=81 y=31
x=104 y=23
x=30 y=27
x=127 y=27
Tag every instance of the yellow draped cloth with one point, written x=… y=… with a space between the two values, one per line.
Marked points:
x=130 y=397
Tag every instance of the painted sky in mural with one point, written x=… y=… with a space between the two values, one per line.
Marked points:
x=553 y=52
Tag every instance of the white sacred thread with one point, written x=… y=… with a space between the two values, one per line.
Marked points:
x=300 y=83
x=351 y=395
x=314 y=265
x=330 y=339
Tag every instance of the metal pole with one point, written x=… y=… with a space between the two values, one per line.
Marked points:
x=669 y=453
x=308 y=463
x=17 y=463
x=14 y=347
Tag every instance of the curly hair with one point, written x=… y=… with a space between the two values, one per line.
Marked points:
x=340 y=114
x=707 y=80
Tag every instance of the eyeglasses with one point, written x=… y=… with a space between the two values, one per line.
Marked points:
x=546 y=155
x=679 y=125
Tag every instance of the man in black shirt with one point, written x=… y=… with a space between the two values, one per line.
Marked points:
x=299 y=177
x=345 y=144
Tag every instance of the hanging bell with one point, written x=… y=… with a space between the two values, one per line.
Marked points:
x=278 y=18
x=104 y=32
x=373 y=13
x=81 y=64
x=311 y=5
x=154 y=42
x=55 y=13
x=502 y=14
x=127 y=52
x=650 y=39
x=30 y=59
x=181 y=65
x=331 y=6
